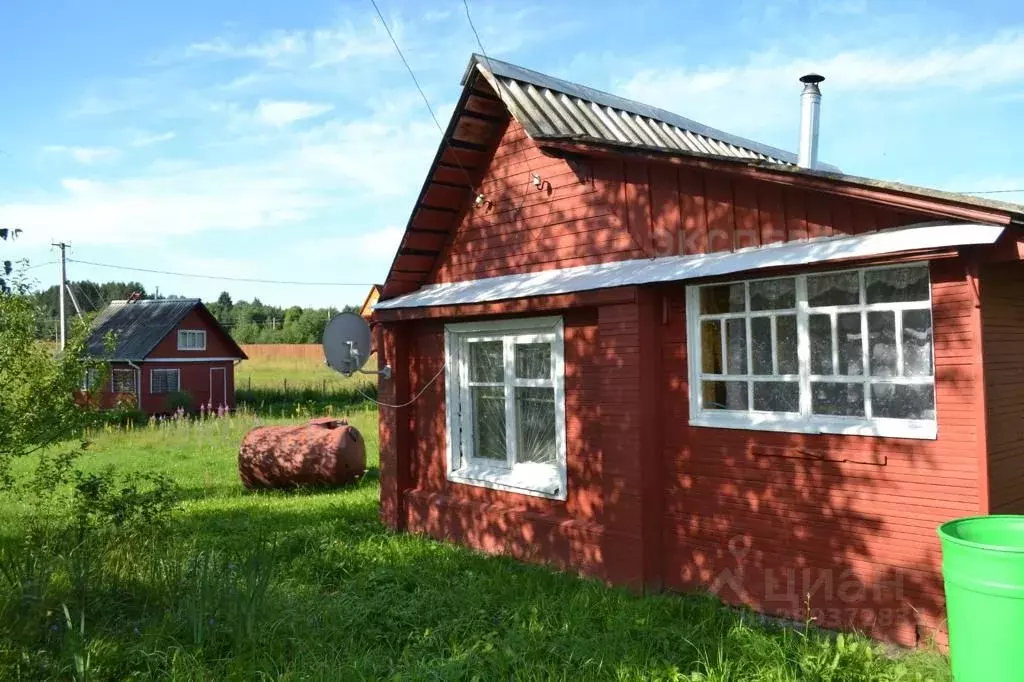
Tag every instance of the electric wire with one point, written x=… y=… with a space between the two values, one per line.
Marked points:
x=412 y=74
x=497 y=83
x=219 y=277
x=40 y=265
x=411 y=400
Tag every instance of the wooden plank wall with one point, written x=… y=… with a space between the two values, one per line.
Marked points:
x=601 y=210
x=763 y=518
x=1002 y=314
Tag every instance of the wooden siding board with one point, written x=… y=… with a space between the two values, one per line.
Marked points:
x=1002 y=320
x=864 y=518
x=719 y=206
x=748 y=231
x=692 y=206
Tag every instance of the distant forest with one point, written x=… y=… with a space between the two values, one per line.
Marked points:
x=246 y=321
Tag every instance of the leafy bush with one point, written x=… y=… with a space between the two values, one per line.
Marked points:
x=125 y=417
x=179 y=400
x=38 y=408
x=140 y=500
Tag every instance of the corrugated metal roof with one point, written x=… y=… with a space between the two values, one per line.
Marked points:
x=553 y=108
x=678 y=268
x=137 y=326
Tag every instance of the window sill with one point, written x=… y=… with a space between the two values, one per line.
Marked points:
x=539 y=480
x=882 y=428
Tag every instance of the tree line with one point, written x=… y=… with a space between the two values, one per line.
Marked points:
x=247 y=321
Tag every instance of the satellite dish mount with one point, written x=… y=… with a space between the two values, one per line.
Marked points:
x=346 y=343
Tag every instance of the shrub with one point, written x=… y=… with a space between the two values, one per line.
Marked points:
x=123 y=417
x=134 y=499
x=179 y=400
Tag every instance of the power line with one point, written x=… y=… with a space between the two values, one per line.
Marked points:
x=40 y=265
x=497 y=84
x=87 y=295
x=469 y=179
x=990 y=191
x=221 y=277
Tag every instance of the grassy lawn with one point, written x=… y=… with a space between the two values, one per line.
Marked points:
x=297 y=373
x=310 y=586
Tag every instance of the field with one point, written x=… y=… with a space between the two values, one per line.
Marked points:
x=276 y=380
x=205 y=581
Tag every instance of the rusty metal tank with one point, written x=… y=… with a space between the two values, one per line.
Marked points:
x=326 y=451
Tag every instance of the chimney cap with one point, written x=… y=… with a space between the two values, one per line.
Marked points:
x=812 y=78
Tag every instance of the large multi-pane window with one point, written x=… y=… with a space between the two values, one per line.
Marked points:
x=506 y=405
x=838 y=352
x=122 y=381
x=164 y=380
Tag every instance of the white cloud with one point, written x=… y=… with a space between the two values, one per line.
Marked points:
x=313 y=175
x=314 y=47
x=154 y=208
x=724 y=96
x=382 y=243
x=85 y=155
x=280 y=113
x=142 y=138
x=275 y=48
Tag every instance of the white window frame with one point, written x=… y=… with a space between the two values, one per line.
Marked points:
x=89 y=379
x=177 y=380
x=113 y=380
x=185 y=334
x=528 y=478
x=805 y=421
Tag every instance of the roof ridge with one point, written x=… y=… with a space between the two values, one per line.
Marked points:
x=500 y=68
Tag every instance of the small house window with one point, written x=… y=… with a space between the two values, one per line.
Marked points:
x=839 y=352
x=90 y=379
x=506 y=405
x=122 y=381
x=164 y=380
x=191 y=339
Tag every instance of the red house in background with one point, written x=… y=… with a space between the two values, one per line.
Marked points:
x=162 y=347
x=633 y=346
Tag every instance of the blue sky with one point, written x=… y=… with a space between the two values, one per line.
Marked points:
x=284 y=140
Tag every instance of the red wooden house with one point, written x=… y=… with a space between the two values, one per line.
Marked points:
x=160 y=347
x=653 y=352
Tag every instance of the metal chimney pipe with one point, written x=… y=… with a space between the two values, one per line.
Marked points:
x=810 y=111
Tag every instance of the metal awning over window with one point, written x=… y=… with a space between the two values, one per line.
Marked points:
x=677 y=268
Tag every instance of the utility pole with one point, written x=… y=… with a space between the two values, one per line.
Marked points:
x=62 y=263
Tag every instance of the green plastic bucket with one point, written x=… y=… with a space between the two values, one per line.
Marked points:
x=983 y=568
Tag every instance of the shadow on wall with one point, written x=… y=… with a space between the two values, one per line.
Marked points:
x=835 y=529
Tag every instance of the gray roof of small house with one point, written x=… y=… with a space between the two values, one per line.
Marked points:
x=137 y=326
x=549 y=107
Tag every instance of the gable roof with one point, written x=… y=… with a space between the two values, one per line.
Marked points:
x=567 y=118
x=372 y=296
x=138 y=326
x=549 y=107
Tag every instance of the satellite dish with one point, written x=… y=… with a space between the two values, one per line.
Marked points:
x=346 y=343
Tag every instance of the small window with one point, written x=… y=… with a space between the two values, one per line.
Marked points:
x=191 y=339
x=91 y=379
x=122 y=381
x=506 y=405
x=840 y=352
x=164 y=380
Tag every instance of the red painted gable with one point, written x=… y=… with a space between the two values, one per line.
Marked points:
x=218 y=343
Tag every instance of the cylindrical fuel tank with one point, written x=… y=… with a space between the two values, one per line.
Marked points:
x=326 y=451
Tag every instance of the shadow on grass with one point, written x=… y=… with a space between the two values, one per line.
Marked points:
x=309 y=584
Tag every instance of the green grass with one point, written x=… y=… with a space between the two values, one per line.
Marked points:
x=310 y=586
x=280 y=374
x=282 y=386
